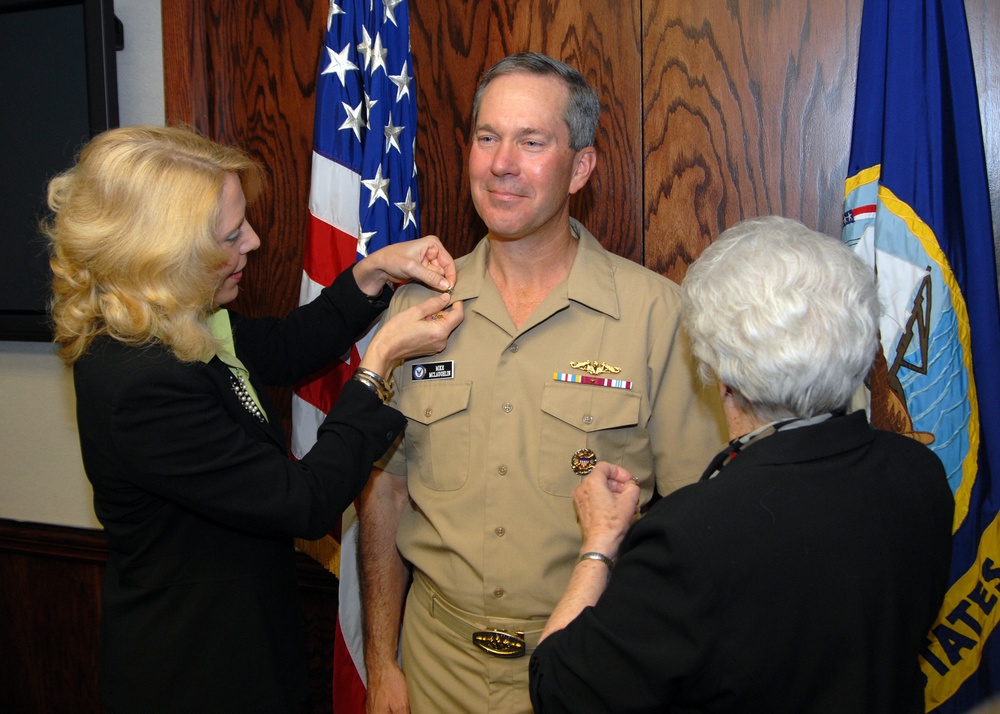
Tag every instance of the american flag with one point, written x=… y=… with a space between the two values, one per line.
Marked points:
x=363 y=196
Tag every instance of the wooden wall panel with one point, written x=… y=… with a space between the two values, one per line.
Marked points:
x=50 y=610
x=455 y=41
x=748 y=109
x=245 y=74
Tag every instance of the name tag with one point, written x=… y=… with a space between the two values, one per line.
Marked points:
x=433 y=370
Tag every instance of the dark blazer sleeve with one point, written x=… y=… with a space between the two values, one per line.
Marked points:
x=608 y=658
x=176 y=439
x=281 y=352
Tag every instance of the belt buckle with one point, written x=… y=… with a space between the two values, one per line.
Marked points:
x=500 y=643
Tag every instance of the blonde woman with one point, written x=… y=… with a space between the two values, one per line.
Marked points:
x=199 y=502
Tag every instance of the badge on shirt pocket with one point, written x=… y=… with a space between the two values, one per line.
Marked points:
x=433 y=370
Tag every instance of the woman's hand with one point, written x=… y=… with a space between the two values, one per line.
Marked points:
x=605 y=502
x=423 y=259
x=421 y=330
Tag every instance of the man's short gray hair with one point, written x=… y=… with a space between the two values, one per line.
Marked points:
x=784 y=315
x=582 y=109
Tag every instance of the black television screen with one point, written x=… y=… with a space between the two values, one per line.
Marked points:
x=58 y=87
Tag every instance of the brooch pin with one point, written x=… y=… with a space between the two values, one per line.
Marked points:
x=592 y=366
x=583 y=462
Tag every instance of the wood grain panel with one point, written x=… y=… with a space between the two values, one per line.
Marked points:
x=50 y=610
x=49 y=617
x=455 y=41
x=185 y=74
x=748 y=109
x=249 y=79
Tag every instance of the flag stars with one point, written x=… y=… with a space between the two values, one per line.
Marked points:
x=335 y=9
x=339 y=64
x=369 y=104
x=378 y=186
x=363 y=238
x=402 y=82
x=392 y=133
x=354 y=121
x=378 y=55
x=365 y=46
x=409 y=209
x=390 y=11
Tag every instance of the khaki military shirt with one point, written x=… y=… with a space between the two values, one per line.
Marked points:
x=492 y=427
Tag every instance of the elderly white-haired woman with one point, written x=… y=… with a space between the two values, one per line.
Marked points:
x=802 y=573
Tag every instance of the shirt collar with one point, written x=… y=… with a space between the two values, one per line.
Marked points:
x=591 y=279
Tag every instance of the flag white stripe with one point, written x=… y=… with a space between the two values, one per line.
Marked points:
x=307 y=419
x=335 y=194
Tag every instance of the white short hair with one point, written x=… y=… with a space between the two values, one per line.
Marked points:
x=784 y=315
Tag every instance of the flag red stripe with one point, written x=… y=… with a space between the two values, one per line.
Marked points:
x=348 y=689
x=328 y=251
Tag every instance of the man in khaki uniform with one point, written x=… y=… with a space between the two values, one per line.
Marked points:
x=567 y=354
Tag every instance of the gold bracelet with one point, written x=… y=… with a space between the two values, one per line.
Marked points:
x=371 y=384
x=594 y=555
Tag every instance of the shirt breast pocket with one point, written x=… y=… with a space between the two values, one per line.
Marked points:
x=437 y=433
x=601 y=419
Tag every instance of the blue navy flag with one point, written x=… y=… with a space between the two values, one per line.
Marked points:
x=917 y=209
x=363 y=196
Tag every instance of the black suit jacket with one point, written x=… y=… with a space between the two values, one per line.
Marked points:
x=803 y=578
x=200 y=502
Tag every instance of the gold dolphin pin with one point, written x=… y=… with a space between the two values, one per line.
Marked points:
x=592 y=366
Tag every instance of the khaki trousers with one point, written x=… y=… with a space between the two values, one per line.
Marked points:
x=446 y=673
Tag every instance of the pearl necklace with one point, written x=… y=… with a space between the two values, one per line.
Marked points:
x=243 y=394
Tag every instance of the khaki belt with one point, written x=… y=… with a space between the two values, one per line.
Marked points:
x=496 y=636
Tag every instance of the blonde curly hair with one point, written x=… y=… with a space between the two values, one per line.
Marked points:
x=132 y=238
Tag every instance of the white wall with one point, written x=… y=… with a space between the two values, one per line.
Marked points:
x=41 y=475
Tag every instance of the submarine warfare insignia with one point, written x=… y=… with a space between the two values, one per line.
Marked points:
x=592 y=366
x=583 y=461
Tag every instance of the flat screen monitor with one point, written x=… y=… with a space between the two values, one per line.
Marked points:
x=58 y=88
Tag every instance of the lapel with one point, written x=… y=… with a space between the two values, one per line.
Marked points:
x=270 y=429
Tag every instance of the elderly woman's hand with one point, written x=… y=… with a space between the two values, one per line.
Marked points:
x=421 y=330
x=423 y=259
x=605 y=502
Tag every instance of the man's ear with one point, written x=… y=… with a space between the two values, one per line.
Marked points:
x=584 y=163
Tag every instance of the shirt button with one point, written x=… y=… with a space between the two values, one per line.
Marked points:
x=587 y=419
x=502 y=470
x=508 y=407
x=428 y=411
x=499 y=593
x=514 y=347
x=500 y=531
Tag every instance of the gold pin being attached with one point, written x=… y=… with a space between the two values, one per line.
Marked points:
x=583 y=462
x=437 y=316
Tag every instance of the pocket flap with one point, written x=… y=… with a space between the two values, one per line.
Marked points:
x=591 y=408
x=428 y=402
